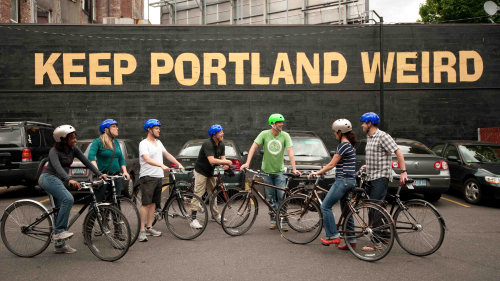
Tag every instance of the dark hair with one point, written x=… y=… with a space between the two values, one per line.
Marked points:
x=60 y=145
x=351 y=137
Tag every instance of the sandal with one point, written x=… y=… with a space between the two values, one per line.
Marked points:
x=372 y=248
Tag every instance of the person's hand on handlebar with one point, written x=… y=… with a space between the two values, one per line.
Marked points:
x=126 y=175
x=295 y=171
x=104 y=177
x=313 y=174
x=75 y=185
x=244 y=166
x=225 y=167
x=181 y=167
x=165 y=169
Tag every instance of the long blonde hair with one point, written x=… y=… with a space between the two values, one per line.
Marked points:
x=106 y=139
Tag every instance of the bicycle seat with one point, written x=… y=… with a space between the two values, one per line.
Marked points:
x=358 y=190
x=291 y=175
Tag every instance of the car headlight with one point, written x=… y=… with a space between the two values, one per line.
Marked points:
x=330 y=173
x=492 y=179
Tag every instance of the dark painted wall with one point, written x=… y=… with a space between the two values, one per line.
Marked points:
x=422 y=111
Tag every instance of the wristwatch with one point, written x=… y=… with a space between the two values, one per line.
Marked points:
x=404 y=171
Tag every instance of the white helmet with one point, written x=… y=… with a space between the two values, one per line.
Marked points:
x=62 y=132
x=342 y=125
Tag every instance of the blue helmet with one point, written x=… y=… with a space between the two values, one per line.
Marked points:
x=105 y=124
x=151 y=123
x=370 y=117
x=214 y=129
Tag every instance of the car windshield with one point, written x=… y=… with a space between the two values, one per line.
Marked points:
x=412 y=147
x=84 y=146
x=10 y=138
x=480 y=153
x=308 y=147
x=192 y=149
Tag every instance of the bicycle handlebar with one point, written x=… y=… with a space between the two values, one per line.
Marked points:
x=88 y=185
x=115 y=177
x=259 y=173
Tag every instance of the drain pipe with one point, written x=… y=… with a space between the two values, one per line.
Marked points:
x=109 y=8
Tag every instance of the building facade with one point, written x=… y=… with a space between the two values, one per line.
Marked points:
x=213 y=12
x=68 y=11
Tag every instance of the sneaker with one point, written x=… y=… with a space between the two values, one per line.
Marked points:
x=284 y=228
x=273 y=225
x=218 y=218
x=153 y=232
x=142 y=237
x=327 y=242
x=195 y=224
x=62 y=235
x=65 y=250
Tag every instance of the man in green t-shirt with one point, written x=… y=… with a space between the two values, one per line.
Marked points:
x=274 y=141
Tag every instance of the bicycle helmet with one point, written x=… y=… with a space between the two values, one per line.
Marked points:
x=214 y=129
x=342 y=125
x=370 y=117
x=62 y=132
x=276 y=117
x=151 y=123
x=105 y=124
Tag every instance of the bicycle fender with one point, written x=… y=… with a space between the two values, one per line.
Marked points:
x=432 y=207
x=32 y=201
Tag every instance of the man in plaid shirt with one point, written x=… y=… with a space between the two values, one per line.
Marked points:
x=379 y=149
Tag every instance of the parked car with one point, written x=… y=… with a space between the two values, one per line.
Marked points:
x=130 y=150
x=24 y=149
x=429 y=170
x=311 y=155
x=189 y=153
x=474 y=168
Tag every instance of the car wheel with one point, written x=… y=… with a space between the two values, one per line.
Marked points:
x=432 y=197
x=472 y=191
x=129 y=188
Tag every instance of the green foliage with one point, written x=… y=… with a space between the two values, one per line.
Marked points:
x=436 y=11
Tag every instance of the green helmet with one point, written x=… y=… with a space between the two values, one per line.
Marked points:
x=276 y=117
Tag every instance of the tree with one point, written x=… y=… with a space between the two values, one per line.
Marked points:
x=436 y=11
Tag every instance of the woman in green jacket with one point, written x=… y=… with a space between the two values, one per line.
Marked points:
x=101 y=155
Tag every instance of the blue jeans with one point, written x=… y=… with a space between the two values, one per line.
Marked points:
x=62 y=198
x=378 y=189
x=338 y=189
x=273 y=196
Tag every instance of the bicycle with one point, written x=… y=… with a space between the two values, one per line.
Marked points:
x=361 y=220
x=239 y=208
x=177 y=210
x=126 y=206
x=27 y=227
x=420 y=227
x=222 y=193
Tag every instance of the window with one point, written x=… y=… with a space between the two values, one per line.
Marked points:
x=438 y=149
x=412 y=147
x=33 y=137
x=43 y=15
x=48 y=136
x=193 y=149
x=451 y=150
x=360 y=149
x=14 y=11
x=480 y=153
x=305 y=146
x=10 y=138
x=132 y=152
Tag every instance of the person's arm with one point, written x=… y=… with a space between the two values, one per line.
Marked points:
x=172 y=159
x=401 y=160
x=336 y=158
x=215 y=161
x=250 y=155
x=225 y=167
x=292 y=161
x=79 y=154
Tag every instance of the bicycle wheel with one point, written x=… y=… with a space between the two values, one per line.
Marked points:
x=114 y=240
x=17 y=237
x=303 y=223
x=137 y=198
x=239 y=214
x=370 y=235
x=178 y=216
x=217 y=205
x=131 y=213
x=419 y=229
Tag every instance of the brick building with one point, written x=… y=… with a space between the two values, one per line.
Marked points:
x=68 y=11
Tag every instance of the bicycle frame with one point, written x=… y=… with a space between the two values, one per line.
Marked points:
x=252 y=188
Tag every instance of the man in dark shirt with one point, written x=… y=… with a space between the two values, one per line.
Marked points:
x=212 y=153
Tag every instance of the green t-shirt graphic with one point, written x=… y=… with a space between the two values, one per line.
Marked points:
x=274 y=150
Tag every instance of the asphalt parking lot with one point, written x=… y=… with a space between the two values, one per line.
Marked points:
x=469 y=252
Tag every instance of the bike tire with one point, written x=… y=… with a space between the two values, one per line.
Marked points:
x=419 y=229
x=221 y=200
x=22 y=214
x=178 y=215
x=302 y=228
x=373 y=229
x=235 y=222
x=107 y=246
x=129 y=209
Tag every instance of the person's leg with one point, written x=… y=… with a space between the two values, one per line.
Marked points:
x=62 y=197
x=200 y=183
x=270 y=196
x=147 y=187
x=334 y=194
x=280 y=181
x=350 y=224
x=378 y=192
x=210 y=186
x=151 y=209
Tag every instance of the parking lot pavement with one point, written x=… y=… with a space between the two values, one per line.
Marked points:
x=469 y=252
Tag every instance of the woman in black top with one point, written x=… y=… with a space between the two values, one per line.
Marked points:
x=55 y=181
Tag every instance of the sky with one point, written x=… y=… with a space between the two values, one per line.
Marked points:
x=391 y=10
